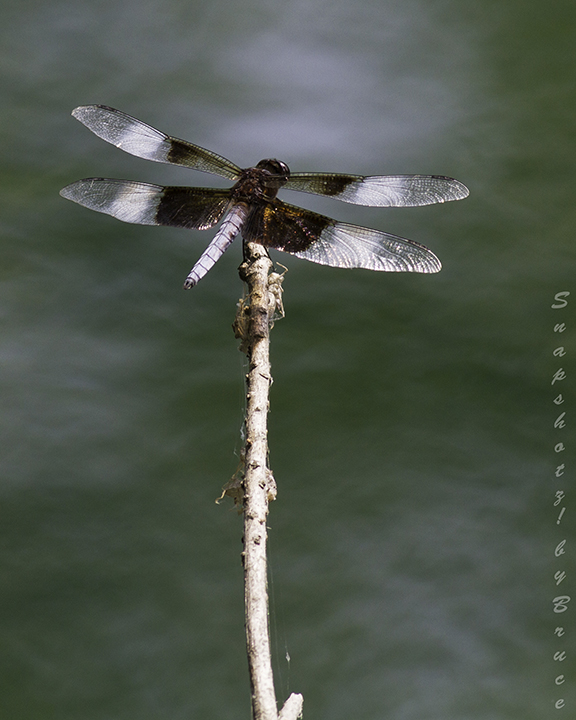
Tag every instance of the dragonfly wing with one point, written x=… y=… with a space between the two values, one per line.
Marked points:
x=325 y=241
x=380 y=190
x=135 y=137
x=145 y=204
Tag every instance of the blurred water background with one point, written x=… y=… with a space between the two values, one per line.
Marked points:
x=411 y=430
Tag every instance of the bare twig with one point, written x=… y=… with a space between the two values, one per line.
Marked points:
x=253 y=322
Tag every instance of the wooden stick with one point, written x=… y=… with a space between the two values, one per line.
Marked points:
x=253 y=322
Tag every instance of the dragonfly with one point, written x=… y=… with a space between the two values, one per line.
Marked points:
x=251 y=206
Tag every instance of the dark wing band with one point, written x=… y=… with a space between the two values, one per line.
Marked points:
x=145 y=204
x=135 y=137
x=380 y=190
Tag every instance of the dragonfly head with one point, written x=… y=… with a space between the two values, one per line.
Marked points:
x=275 y=167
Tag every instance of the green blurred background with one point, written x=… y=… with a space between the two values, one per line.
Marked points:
x=411 y=429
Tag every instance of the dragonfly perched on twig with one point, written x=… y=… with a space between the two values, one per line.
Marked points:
x=250 y=206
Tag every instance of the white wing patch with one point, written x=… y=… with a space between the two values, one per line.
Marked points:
x=352 y=246
x=403 y=190
x=131 y=202
x=125 y=132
